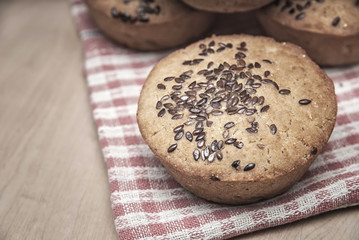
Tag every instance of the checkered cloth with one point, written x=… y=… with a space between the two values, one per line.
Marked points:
x=148 y=204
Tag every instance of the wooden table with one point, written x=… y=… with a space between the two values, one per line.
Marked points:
x=53 y=180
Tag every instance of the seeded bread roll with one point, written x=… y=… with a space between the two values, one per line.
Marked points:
x=236 y=119
x=149 y=24
x=227 y=6
x=327 y=29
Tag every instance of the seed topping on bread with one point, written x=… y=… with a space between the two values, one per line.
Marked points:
x=218 y=89
x=144 y=8
x=298 y=8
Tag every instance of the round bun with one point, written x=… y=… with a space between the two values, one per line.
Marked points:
x=327 y=29
x=236 y=119
x=149 y=25
x=227 y=6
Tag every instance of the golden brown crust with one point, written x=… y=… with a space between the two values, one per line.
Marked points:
x=280 y=159
x=174 y=24
x=328 y=31
x=227 y=6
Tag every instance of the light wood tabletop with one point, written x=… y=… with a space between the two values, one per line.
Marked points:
x=53 y=180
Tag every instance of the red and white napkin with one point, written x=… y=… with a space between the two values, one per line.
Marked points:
x=148 y=204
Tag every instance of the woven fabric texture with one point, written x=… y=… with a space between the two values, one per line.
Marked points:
x=148 y=204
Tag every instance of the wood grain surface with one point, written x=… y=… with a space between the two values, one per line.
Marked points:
x=53 y=180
